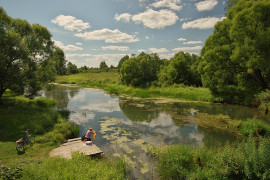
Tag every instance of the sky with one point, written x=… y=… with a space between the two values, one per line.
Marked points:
x=91 y=31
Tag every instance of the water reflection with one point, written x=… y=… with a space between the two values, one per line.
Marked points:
x=125 y=127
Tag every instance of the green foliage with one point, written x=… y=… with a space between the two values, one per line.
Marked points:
x=103 y=66
x=140 y=70
x=20 y=113
x=10 y=173
x=235 y=58
x=62 y=130
x=179 y=71
x=121 y=62
x=58 y=57
x=72 y=68
x=79 y=167
x=246 y=160
x=254 y=127
x=109 y=81
x=24 y=56
x=264 y=99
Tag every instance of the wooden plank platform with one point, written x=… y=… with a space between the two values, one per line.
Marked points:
x=75 y=145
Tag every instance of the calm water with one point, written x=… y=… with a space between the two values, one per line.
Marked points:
x=126 y=127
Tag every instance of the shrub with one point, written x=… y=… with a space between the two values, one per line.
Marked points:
x=246 y=160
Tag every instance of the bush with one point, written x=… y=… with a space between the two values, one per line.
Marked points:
x=247 y=160
x=61 y=131
x=254 y=127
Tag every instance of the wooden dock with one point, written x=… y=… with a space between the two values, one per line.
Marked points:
x=75 y=145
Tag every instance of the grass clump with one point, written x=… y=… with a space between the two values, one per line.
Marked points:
x=247 y=160
x=254 y=127
x=79 y=167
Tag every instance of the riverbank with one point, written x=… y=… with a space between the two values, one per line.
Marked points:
x=50 y=129
x=246 y=160
x=110 y=82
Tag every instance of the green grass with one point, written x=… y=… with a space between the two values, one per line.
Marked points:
x=51 y=129
x=247 y=160
x=90 y=79
x=110 y=82
x=79 y=167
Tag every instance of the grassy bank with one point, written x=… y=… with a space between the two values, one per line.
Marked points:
x=247 y=160
x=50 y=129
x=110 y=82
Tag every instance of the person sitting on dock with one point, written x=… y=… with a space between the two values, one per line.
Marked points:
x=88 y=134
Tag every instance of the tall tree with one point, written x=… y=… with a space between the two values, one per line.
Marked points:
x=179 y=70
x=122 y=60
x=24 y=55
x=140 y=70
x=72 y=68
x=58 y=57
x=103 y=65
x=236 y=57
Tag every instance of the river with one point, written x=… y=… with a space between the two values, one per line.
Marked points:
x=126 y=127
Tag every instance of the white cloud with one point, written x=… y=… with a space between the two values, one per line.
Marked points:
x=141 y=50
x=202 y=23
x=78 y=44
x=123 y=17
x=193 y=42
x=69 y=47
x=172 y=4
x=77 y=55
x=146 y=37
x=165 y=56
x=70 y=23
x=188 y=48
x=119 y=48
x=109 y=36
x=161 y=50
x=156 y=19
x=109 y=106
x=181 y=39
x=94 y=60
x=206 y=5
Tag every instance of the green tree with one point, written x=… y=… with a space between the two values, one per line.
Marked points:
x=130 y=72
x=24 y=55
x=179 y=70
x=58 y=57
x=72 y=68
x=235 y=59
x=140 y=70
x=103 y=65
x=122 y=60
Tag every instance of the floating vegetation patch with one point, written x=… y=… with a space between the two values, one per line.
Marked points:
x=125 y=143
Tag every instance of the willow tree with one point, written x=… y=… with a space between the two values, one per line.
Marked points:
x=24 y=56
x=236 y=58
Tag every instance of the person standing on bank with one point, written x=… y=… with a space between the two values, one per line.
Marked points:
x=88 y=135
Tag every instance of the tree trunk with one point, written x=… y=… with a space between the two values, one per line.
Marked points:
x=259 y=78
x=2 y=90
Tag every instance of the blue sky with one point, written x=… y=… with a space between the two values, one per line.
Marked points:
x=91 y=31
